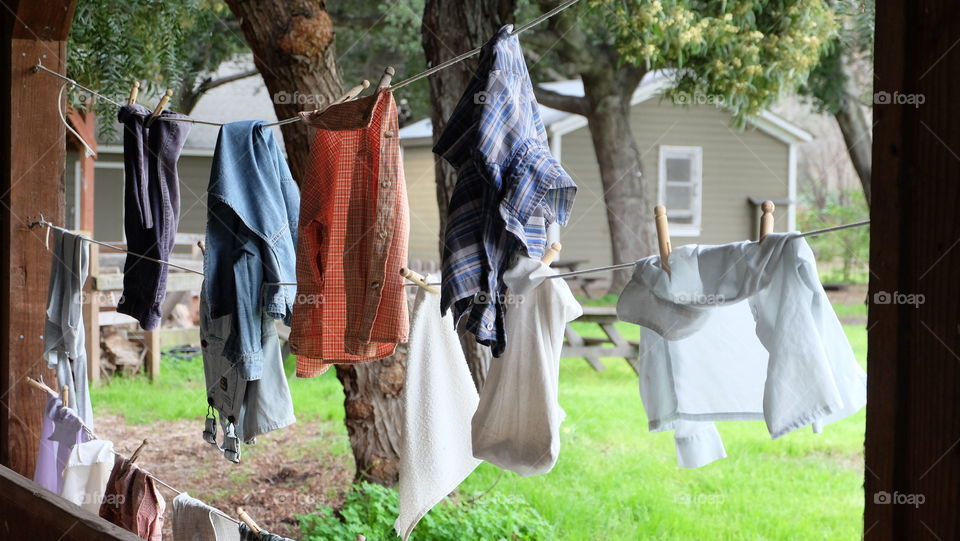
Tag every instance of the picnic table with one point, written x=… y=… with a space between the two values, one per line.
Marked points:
x=592 y=348
x=581 y=282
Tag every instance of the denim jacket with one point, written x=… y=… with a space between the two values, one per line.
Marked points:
x=253 y=205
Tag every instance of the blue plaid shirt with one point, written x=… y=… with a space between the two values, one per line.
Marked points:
x=509 y=188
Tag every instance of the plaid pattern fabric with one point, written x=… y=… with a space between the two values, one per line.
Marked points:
x=133 y=501
x=509 y=188
x=350 y=305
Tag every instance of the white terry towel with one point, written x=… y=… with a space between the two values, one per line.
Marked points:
x=86 y=474
x=194 y=520
x=438 y=400
x=517 y=425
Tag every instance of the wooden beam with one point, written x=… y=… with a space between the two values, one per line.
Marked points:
x=32 y=512
x=33 y=148
x=91 y=318
x=85 y=123
x=913 y=416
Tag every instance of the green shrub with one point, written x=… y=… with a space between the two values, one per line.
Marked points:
x=371 y=510
x=842 y=256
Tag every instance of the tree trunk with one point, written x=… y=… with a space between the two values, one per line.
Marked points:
x=293 y=48
x=857 y=134
x=626 y=193
x=450 y=28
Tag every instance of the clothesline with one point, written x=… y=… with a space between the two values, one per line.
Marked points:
x=43 y=223
x=412 y=79
x=44 y=387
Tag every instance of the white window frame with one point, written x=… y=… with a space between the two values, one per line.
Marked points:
x=695 y=154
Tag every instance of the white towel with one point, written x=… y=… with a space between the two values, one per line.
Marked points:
x=194 y=520
x=86 y=474
x=517 y=425
x=438 y=400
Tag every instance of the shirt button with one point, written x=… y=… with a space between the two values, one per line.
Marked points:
x=382 y=234
x=374 y=285
x=385 y=184
x=388 y=134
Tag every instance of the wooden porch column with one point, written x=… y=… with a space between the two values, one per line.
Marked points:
x=912 y=477
x=33 y=148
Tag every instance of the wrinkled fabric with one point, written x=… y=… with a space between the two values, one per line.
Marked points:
x=64 y=339
x=60 y=432
x=86 y=474
x=351 y=303
x=509 y=188
x=253 y=206
x=741 y=331
x=133 y=501
x=439 y=399
x=194 y=520
x=517 y=423
x=246 y=534
x=151 y=207
x=246 y=409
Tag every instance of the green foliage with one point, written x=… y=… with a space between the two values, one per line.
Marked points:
x=843 y=255
x=371 y=510
x=741 y=54
x=161 y=43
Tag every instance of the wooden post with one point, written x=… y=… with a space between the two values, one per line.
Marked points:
x=91 y=317
x=913 y=414
x=33 y=150
x=85 y=122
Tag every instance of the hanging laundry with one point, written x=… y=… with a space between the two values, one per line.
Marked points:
x=741 y=331
x=252 y=208
x=60 y=432
x=253 y=205
x=133 y=501
x=509 y=188
x=151 y=207
x=246 y=409
x=439 y=398
x=194 y=520
x=86 y=474
x=351 y=304
x=517 y=424
x=64 y=339
x=247 y=534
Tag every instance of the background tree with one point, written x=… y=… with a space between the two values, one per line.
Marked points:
x=450 y=28
x=842 y=83
x=746 y=53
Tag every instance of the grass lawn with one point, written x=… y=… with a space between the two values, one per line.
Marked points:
x=614 y=479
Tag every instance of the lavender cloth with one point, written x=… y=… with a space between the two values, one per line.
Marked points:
x=61 y=430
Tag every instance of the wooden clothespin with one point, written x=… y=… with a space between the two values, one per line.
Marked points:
x=418 y=279
x=136 y=453
x=134 y=90
x=766 y=219
x=248 y=521
x=353 y=92
x=663 y=237
x=551 y=253
x=41 y=386
x=65 y=395
x=386 y=78
x=160 y=106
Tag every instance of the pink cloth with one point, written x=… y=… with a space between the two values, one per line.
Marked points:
x=133 y=501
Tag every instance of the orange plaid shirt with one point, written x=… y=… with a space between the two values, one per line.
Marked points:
x=350 y=305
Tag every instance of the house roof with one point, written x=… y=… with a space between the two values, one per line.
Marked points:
x=653 y=84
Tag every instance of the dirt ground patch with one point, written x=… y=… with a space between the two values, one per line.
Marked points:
x=287 y=472
x=851 y=294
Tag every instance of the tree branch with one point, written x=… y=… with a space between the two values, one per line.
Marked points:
x=209 y=83
x=561 y=102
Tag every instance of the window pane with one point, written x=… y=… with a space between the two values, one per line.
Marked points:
x=679 y=198
x=678 y=169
